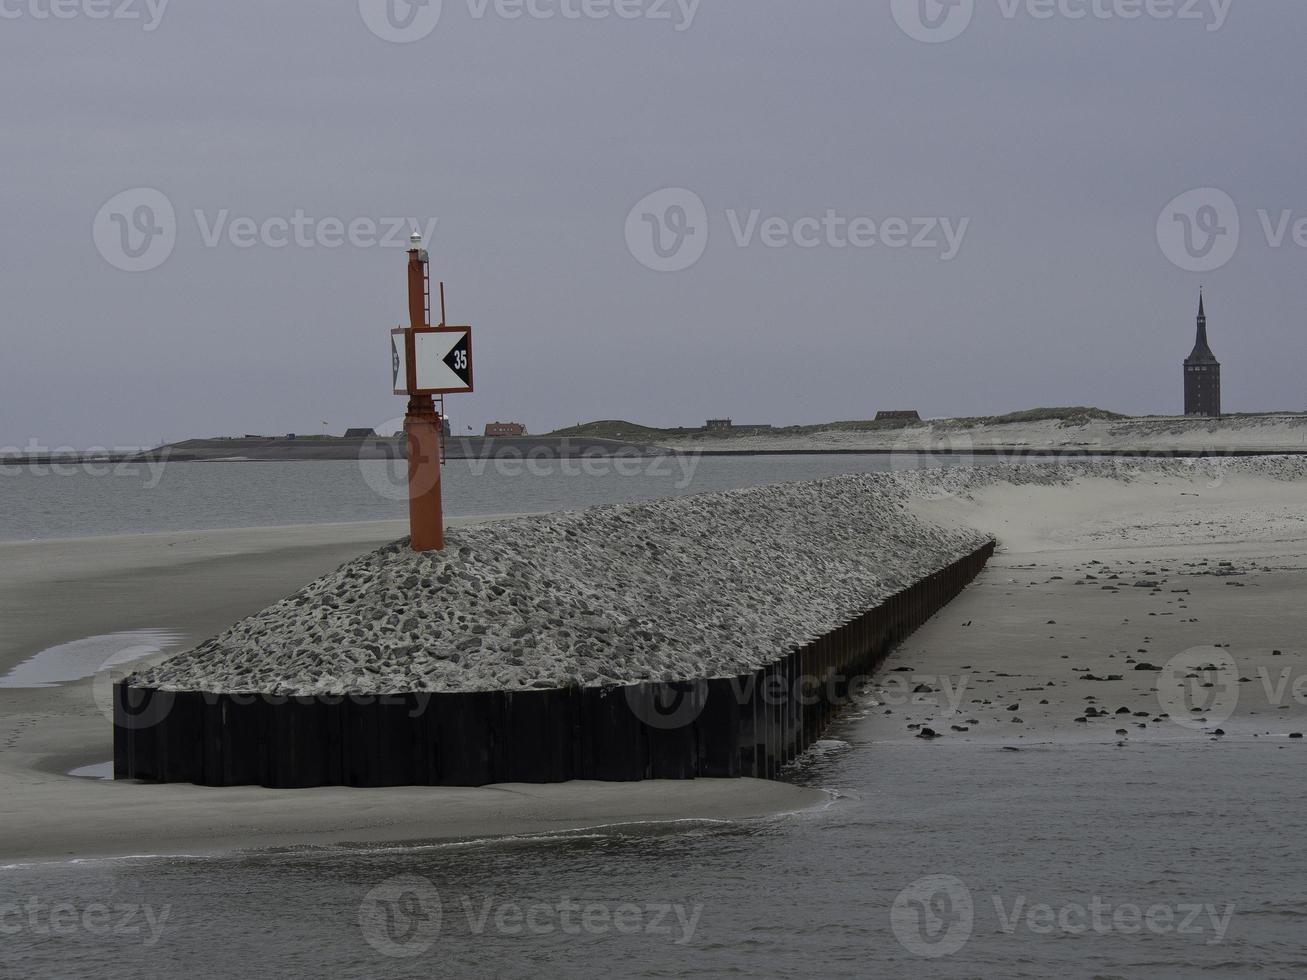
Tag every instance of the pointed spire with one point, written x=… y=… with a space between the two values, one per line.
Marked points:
x=1202 y=352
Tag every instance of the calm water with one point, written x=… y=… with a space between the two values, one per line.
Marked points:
x=88 y=501
x=1156 y=860
x=1185 y=884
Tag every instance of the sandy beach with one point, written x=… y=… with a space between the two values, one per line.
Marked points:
x=194 y=585
x=1105 y=574
x=1162 y=434
x=1102 y=579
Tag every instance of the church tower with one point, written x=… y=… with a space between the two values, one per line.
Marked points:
x=1202 y=373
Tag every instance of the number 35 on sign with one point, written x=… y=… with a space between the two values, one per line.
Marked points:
x=431 y=360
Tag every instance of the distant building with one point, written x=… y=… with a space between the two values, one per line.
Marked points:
x=898 y=416
x=1202 y=373
x=497 y=429
x=360 y=433
x=727 y=425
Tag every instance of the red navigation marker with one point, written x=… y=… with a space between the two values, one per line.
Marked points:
x=432 y=360
x=427 y=362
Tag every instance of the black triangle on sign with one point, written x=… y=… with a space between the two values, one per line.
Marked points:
x=394 y=361
x=459 y=360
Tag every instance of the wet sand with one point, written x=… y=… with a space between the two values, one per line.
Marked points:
x=195 y=584
x=1102 y=580
x=1222 y=561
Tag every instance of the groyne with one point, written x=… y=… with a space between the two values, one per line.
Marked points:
x=747 y=724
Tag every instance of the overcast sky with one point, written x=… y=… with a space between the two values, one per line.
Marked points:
x=1048 y=146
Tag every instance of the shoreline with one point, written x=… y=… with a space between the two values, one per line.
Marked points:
x=197 y=583
x=1017 y=453
x=1048 y=532
x=775 y=447
x=170 y=821
x=1095 y=600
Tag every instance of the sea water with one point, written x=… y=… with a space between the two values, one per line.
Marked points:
x=937 y=861
x=76 y=501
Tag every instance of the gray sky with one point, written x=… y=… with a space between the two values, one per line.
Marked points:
x=1058 y=140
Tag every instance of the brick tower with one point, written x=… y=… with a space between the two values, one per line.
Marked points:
x=1202 y=373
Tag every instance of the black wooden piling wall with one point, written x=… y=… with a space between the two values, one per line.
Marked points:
x=751 y=725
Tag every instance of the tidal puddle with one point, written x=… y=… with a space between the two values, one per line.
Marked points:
x=101 y=770
x=85 y=657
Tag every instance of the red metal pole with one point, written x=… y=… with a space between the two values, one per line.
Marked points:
x=422 y=431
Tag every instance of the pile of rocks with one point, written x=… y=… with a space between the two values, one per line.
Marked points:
x=708 y=586
x=700 y=587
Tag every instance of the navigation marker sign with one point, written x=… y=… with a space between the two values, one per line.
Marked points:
x=399 y=362
x=431 y=360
